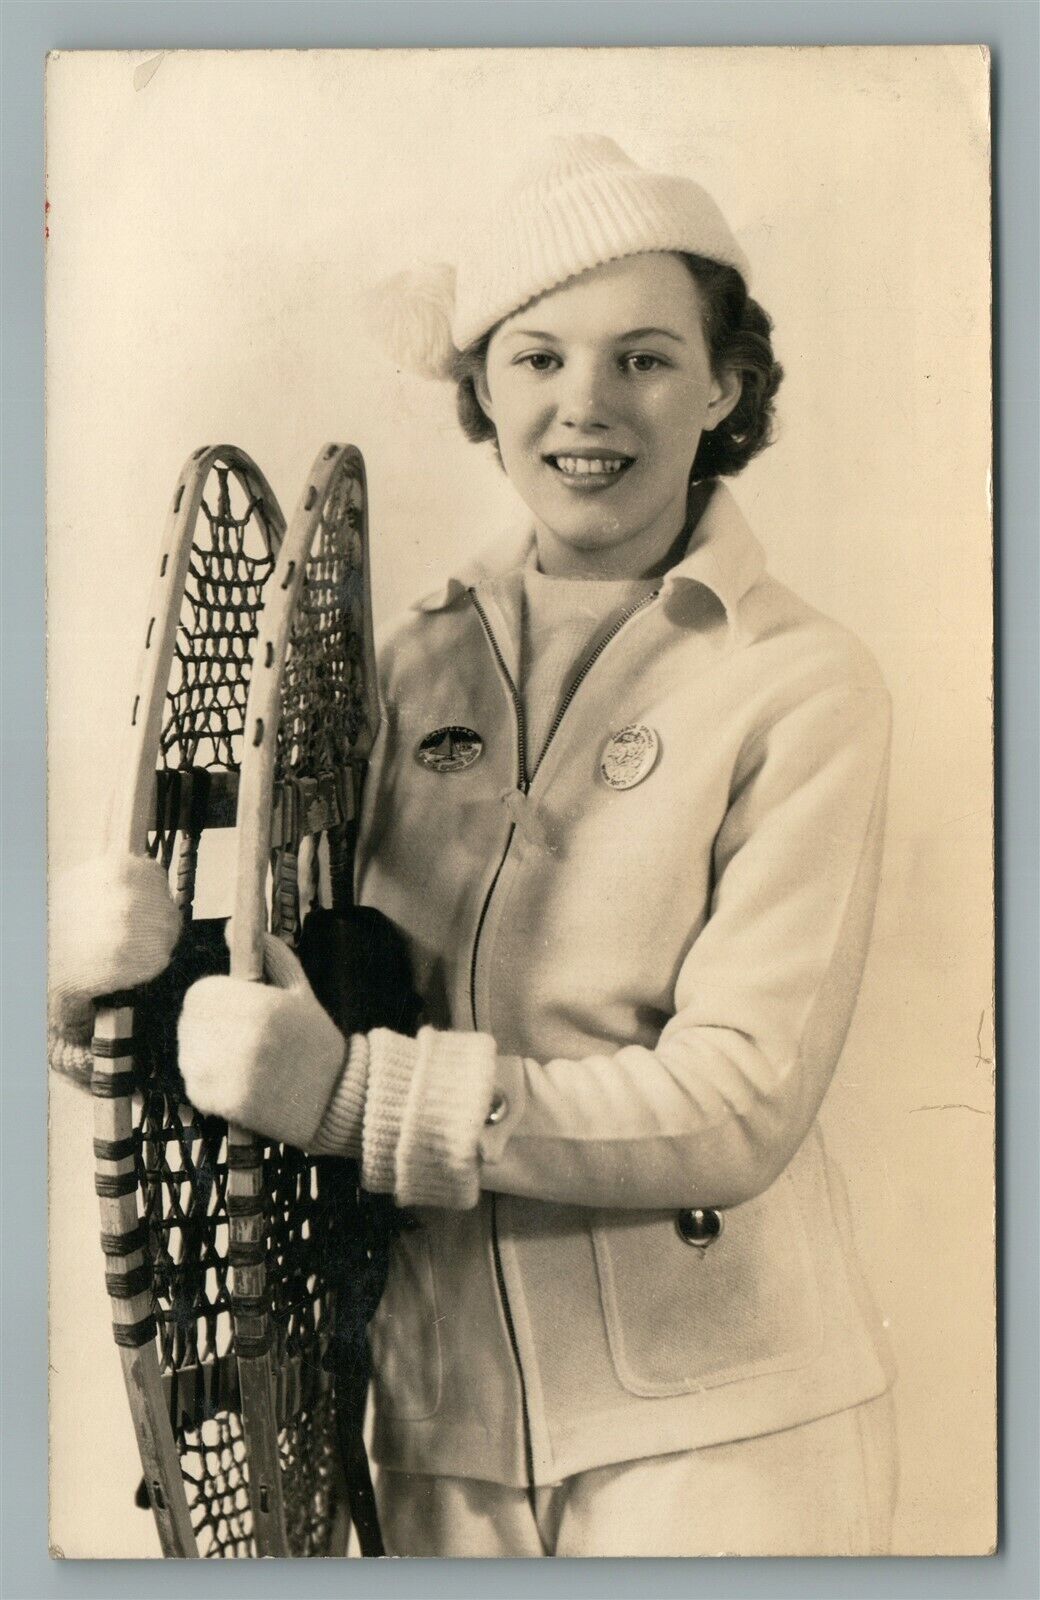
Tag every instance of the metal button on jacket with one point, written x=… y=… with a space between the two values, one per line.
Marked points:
x=699 y=1228
x=499 y=1108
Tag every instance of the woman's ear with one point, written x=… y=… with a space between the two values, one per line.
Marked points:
x=483 y=393
x=725 y=392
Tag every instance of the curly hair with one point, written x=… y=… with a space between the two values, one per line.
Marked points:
x=738 y=335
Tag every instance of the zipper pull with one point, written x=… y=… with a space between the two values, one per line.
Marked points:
x=526 y=817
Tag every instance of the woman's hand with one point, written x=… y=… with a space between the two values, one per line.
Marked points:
x=113 y=926
x=265 y=1056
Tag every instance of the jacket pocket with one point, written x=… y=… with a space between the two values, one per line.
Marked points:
x=681 y=1318
x=406 y=1348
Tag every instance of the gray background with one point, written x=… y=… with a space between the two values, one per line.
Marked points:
x=28 y=31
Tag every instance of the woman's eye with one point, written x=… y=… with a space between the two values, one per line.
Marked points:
x=539 y=361
x=643 y=361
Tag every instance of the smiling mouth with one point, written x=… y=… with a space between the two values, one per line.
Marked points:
x=601 y=468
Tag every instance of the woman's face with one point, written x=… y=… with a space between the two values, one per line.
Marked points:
x=599 y=393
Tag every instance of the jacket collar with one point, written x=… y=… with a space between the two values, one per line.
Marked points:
x=723 y=556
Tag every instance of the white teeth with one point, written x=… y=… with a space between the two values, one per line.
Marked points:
x=582 y=467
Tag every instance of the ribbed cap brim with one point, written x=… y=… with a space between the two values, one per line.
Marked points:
x=549 y=233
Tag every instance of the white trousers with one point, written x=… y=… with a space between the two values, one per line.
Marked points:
x=824 y=1488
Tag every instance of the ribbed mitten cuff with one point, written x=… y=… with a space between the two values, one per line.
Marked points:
x=339 y=1133
x=426 y=1104
x=70 y=1013
x=69 y=1058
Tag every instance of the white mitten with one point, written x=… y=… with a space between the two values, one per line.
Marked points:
x=113 y=926
x=266 y=1056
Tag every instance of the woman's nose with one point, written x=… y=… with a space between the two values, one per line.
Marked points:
x=585 y=402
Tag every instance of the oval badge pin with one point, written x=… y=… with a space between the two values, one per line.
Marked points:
x=450 y=749
x=629 y=756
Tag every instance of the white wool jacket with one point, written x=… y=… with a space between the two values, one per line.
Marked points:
x=660 y=1255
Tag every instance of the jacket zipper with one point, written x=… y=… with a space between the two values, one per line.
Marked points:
x=500 y=1277
x=586 y=667
x=524 y=780
x=523 y=783
x=507 y=1311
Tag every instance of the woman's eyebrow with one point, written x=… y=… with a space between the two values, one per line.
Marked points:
x=529 y=333
x=618 y=338
x=648 y=333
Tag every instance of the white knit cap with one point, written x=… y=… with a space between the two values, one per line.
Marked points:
x=580 y=203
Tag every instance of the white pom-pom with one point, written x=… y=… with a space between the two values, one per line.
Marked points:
x=409 y=317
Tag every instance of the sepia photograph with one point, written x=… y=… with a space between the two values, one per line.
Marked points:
x=520 y=803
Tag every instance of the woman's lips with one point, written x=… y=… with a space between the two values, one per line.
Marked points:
x=589 y=472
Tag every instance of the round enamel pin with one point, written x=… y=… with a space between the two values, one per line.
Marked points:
x=449 y=749
x=629 y=756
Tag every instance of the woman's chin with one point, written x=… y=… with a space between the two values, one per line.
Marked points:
x=571 y=551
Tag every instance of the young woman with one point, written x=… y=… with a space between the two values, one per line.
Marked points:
x=626 y=808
